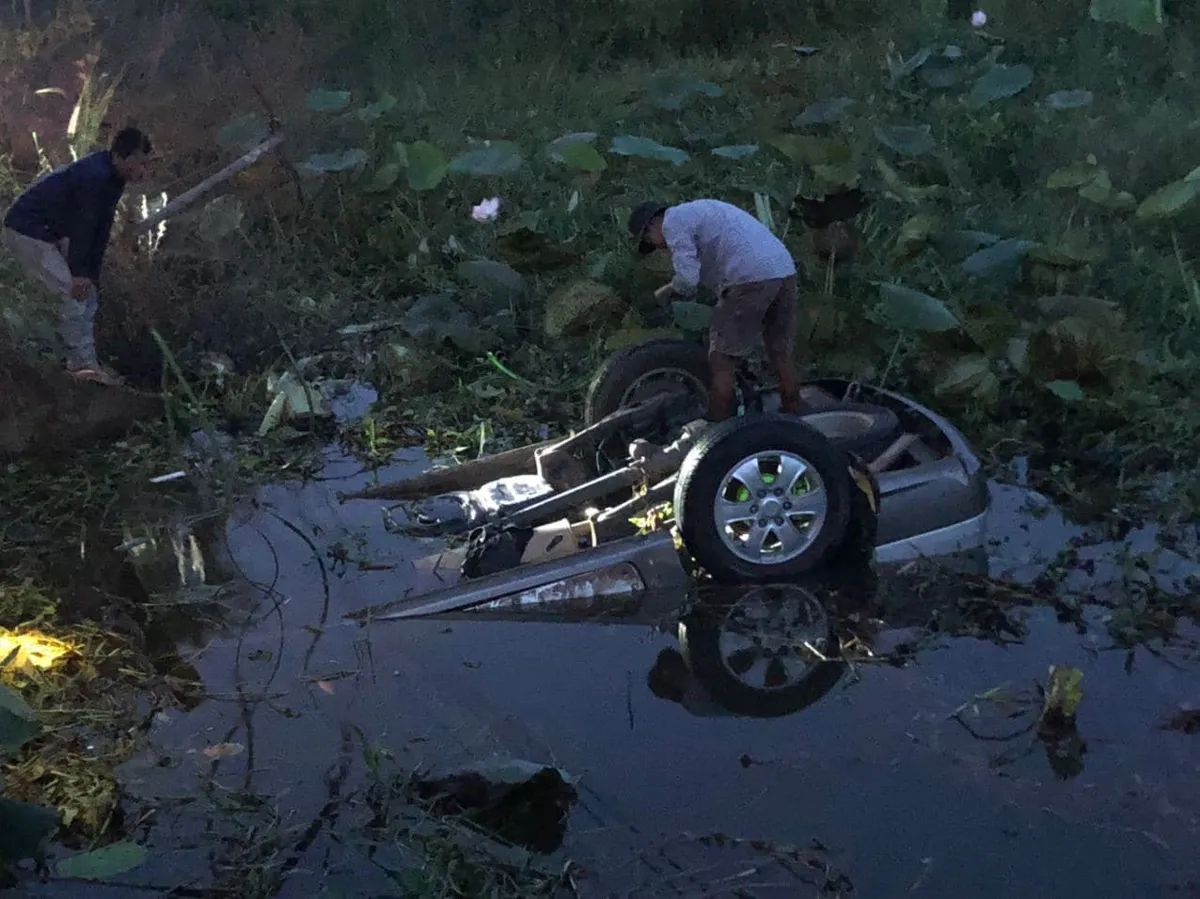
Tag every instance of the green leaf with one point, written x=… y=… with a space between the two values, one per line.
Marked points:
x=554 y=148
x=1066 y=390
x=24 y=830
x=966 y=375
x=998 y=83
x=673 y=90
x=489 y=273
x=1167 y=202
x=689 y=316
x=1075 y=176
x=322 y=163
x=103 y=863
x=1017 y=354
x=907 y=140
x=644 y=148
x=914 y=235
x=581 y=156
x=1143 y=16
x=498 y=159
x=243 y=133
x=378 y=109
x=1070 y=99
x=940 y=73
x=824 y=112
x=384 y=178
x=18 y=722
x=908 y=309
x=427 y=166
x=1001 y=258
x=327 y=101
x=736 y=151
x=958 y=245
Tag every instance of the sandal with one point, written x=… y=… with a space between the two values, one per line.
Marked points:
x=97 y=374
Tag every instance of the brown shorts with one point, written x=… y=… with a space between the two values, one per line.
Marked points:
x=745 y=312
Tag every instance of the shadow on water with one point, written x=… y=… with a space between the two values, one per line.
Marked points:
x=882 y=733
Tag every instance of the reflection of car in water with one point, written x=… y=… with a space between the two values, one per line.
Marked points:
x=760 y=651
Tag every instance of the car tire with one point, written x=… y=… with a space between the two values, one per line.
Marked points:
x=621 y=371
x=858 y=428
x=711 y=663
x=706 y=474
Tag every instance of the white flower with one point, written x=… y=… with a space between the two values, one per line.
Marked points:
x=979 y=18
x=487 y=210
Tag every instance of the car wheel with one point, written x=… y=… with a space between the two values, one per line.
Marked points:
x=771 y=652
x=763 y=498
x=638 y=372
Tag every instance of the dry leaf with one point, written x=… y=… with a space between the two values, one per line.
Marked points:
x=224 y=750
x=325 y=686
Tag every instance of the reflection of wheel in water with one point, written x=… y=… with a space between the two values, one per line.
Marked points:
x=772 y=651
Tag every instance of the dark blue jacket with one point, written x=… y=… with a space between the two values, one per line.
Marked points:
x=77 y=201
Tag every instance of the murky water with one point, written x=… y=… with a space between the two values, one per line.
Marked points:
x=902 y=798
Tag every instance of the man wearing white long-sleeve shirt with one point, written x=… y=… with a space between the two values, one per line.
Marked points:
x=753 y=275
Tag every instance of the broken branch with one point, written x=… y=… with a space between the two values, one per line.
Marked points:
x=188 y=197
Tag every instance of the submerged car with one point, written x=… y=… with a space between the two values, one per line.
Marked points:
x=649 y=494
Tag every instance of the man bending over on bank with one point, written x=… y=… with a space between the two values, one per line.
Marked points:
x=751 y=272
x=59 y=228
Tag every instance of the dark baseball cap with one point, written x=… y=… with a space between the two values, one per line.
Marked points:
x=640 y=219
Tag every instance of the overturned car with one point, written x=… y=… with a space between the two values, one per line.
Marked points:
x=649 y=494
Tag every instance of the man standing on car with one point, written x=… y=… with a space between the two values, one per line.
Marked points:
x=59 y=228
x=751 y=272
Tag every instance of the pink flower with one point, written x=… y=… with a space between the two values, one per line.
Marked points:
x=487 y=210
x=979 y=18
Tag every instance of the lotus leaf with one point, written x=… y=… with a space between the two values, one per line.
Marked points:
x=427 y=166
x=327 y=101
x=581 y=156
x=491 y=274
x=18 y=722
x=1167 y=202
x=378 y=109
x=1073 y=99
x=243 y=133
x=645 y=148
x=824 y=112
x=907 y=140
x=1001 y=259
x=970 y=374
x=24 y=830
x=495 y=159
x=914 y=235
x=673 y=90
x=1066 y=390
x=1144 y=16
x=322 y=163
x=736 y=151
x=103 y=863
x=909 y=309
x=998 y=83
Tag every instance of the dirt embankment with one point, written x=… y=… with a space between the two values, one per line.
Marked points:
x=43 y=411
